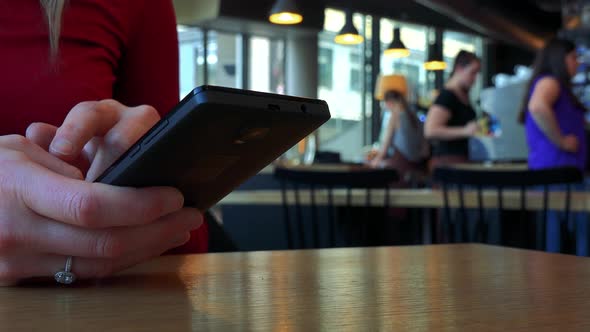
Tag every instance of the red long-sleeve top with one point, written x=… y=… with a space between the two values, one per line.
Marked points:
x=125 y=50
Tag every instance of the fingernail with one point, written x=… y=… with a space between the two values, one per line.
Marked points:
x=62 y=146
x=181 y=239
x=198 y=220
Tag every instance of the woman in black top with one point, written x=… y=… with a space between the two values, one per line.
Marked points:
x=451 y=119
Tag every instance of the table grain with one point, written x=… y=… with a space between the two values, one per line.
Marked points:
x=466 y=287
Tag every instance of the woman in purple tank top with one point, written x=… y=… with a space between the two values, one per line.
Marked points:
x=554 y=122
x=553 y=116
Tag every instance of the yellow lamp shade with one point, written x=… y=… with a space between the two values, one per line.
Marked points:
x=349 y=34
x=435 y=58
x=285 y=18
x=285 y=12
x=397 y=52
x=349 y=39
x=397 y=49
x=435 y=65
x=391 y=83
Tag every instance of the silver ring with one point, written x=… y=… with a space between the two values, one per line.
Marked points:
x=66 y=277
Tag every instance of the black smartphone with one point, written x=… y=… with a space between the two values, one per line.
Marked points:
x=214 y=140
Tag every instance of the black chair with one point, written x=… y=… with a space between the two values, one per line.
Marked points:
x=314 y=180
x=474 y=179
x=219 y=240
x=327 y=157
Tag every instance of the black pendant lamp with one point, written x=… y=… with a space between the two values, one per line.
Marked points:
x=285 y=12
x=435 y=58
x=397 y=49
x=349 y=35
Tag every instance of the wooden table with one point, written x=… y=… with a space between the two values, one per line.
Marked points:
x=340 y=167
x=423 y=288
x=492 y=166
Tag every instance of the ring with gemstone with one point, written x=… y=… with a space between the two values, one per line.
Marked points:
x=66 y=277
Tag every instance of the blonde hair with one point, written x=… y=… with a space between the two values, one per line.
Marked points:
x=53 y=12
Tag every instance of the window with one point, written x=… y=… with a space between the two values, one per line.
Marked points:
x=224 y=59
x=325 y=65
x=267 y=62
x=342 y=76
x=356 y=79
x=192 y=59
x=224 y=64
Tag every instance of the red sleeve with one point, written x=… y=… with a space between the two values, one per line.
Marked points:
x=149 y=75
x=148 y=71
x=197 y=244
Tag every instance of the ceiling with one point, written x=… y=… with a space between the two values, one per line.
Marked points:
x=534 y=14
x=520 y=22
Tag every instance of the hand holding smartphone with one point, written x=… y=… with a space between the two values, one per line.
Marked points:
x=214 y=140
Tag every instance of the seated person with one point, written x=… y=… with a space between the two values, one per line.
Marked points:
x=402 y=145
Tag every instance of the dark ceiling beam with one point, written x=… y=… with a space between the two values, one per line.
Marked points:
x=486 y=22
x=402 y=10
x=549 y=5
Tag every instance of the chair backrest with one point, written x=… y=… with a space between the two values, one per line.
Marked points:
x=501 y=179
x=327 y=157
x=327 y=180
x=507 y=177
x=219 y=239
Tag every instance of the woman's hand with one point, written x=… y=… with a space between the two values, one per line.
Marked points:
x=569 y=143
x=377 y=161
x=48 y=213
x=94 y=134
x=471 y=129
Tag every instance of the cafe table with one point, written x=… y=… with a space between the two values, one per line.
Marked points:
x=408 y=198
x=463 y=287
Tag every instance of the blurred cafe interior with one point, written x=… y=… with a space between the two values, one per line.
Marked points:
x=335 y=188
x=352 y=54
